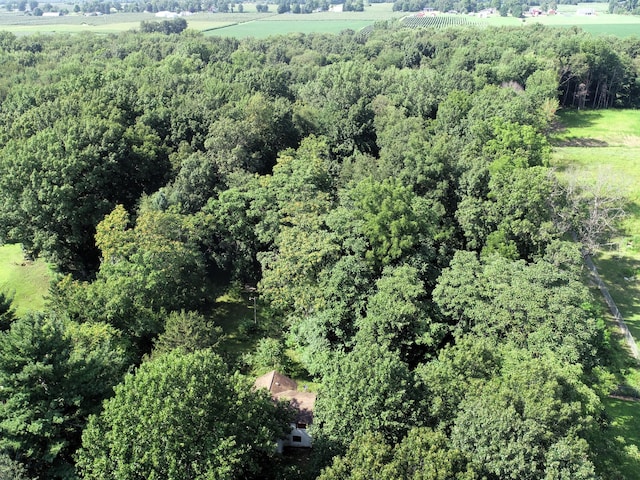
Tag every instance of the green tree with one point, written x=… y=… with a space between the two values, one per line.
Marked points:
x=537 y=306
x=391 y=218
x=366 y=390
x=7 y=315
x=269 y=355
x=54 y=374
x=183 y=416
x=59 y=182
x=526 y=417
x=422 y=455
x=153 y=267
x=301 y=193
x=189 y=331
x=11 y=470
x=397 y=316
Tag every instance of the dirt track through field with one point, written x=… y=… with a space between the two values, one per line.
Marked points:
x=614 y=309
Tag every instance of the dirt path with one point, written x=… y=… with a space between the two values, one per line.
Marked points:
x=614 y=309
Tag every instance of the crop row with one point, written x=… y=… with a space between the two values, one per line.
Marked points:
x=440 y=21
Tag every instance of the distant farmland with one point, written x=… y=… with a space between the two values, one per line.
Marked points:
x=251 y=23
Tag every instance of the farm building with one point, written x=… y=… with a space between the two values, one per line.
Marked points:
x=282 y=387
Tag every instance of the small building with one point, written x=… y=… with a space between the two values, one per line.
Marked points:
x=282 y=387
x=52 y=14
x=586 y=12
x=166 y=14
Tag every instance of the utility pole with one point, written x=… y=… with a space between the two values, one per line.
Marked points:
x=255 y=309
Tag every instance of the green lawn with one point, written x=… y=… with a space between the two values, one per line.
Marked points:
x=26 y=281
x=622 y=439
x=607 y=142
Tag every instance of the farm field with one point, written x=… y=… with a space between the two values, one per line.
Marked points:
x=250 y=23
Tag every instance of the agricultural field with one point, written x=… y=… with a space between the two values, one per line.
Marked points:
x=251 y=23
x=439 y=21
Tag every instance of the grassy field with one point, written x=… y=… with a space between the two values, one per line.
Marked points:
x=251 y=23
x=608 y=143
x=26 y=281
x=623 y=438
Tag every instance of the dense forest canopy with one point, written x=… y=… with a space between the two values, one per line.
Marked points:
x=388 y=195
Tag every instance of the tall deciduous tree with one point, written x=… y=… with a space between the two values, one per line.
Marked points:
x=368 y=389
x=530 y=421
x=183 y=416
x=423 y=454
x=537 y=306
x=53 y=375
x=58 y=183
x=397 y=316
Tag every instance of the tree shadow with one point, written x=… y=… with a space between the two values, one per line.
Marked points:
x=573 y=118
x=618 y=448
x=579 y=142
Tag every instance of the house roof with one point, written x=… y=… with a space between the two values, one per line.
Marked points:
x=284 y=388
x=275 y=382
x=303 y=402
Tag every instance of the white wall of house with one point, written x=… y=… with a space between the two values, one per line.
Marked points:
x=298 y=437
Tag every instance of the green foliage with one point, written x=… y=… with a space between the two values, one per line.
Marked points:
x=177 y=25
x=54 y=375
x=526 y=422
x=535 y=306
x=7 y=315
x=269 y=355
x=422 y=454
x=189 y=331
x=54 y=196
x=339 y=174
x=367 y=390
x=182 y=416
x=390 y=217
x=397 y=316
x=155 y=266
x=11 y=470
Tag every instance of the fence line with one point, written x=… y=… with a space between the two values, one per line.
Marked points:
x=613 y=307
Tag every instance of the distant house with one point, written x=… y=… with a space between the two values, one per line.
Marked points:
x=166 y=14
x=52 y=14
x=585 y=11
x=282 y=387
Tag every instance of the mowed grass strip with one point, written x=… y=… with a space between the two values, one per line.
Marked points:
x=27 y=281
